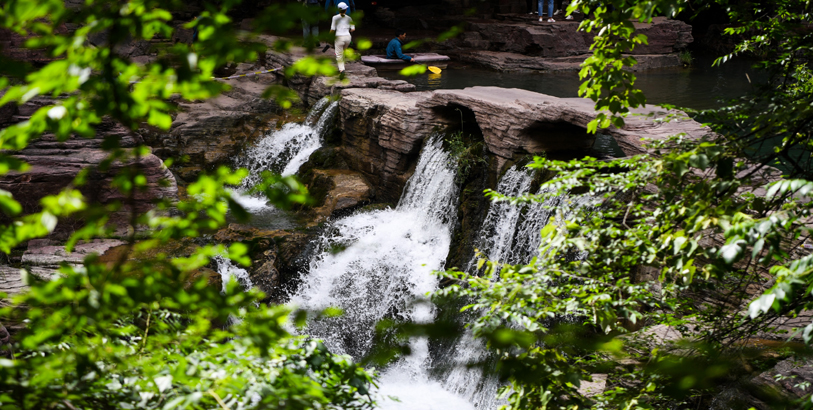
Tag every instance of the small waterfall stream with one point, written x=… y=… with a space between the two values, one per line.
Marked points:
x=282 y=151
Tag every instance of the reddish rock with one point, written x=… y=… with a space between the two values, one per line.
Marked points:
x=54 y=165
x=207 y=134
x=664 y=36
x=382 y=135
x=383 y=130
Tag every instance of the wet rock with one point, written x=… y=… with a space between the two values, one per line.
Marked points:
x=383 y=131
x=276 y=257
x=336 y=191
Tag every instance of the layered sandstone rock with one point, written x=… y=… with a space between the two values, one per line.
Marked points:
x=207 y=134
x=522 y=43
x=382 y=135
x=383 y=130
x=55 y=164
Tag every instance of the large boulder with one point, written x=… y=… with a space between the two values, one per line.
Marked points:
x=336 y=191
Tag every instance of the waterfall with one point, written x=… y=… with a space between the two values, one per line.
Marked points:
x=509 y=234
x=228 y=270
x=285 y=150
x=376 y=265
x=282 y=151
x=500 y=224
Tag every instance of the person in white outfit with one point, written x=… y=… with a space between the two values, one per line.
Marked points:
x=343 y=25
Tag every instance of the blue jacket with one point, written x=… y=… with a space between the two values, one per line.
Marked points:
x=335 y=3
x=394 y=50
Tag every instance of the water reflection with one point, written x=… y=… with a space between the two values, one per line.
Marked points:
x=701 y=86
x=434 y=81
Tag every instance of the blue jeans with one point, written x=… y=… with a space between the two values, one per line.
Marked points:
x=541 y=5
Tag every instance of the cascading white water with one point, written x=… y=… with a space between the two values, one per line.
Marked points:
x=383 y=265
x=510 y=234
x=228 y=270
x=282 y=151
x=285 y=150
x=500 y=224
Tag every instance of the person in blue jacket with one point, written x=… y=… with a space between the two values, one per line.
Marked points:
x=335 y=3
x=394 y=47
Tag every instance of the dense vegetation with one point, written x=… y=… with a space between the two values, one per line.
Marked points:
x=689 y=220
x=126 y=334
x=701 y=235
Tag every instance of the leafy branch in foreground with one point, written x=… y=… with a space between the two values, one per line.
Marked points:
x=144 y=332
x=684 y=259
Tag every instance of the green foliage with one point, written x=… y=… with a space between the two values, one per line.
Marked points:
x=686 y=58
x=467 y=156
x=146 y=332
x=701 y=235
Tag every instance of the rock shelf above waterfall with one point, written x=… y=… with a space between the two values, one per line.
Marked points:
x=383 y=130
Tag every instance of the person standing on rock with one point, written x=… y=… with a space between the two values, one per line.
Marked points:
x=394 y=47
x=342 y=24
x=310 y=32
x=541 y=6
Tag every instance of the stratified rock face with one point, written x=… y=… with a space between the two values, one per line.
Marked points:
x=517 y=45
x=541 y=40
x=43 y=258
x=383 y=130
x=563 y=38
x=207 y=134
x=50 y=254
x=55 y=164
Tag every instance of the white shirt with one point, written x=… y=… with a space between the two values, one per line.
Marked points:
x=342 y=25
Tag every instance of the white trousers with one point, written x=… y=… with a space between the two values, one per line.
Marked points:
x=342 y=42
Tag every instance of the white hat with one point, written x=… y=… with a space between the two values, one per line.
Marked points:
x=342 y=6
